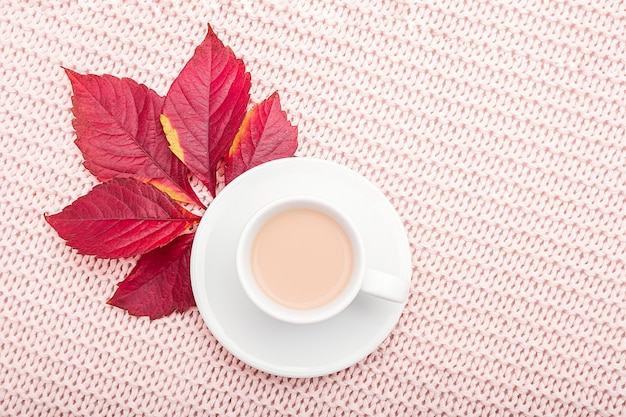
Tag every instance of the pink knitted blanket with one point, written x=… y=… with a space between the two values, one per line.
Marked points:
x=496 y=128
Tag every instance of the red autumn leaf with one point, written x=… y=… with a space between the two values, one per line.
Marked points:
x=134 y=140
x=121 y=218
x=159 y=284
x=265 y=134
x=205 y=107
x=120 y=135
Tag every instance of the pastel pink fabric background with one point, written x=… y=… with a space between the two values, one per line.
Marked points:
x=496 y=128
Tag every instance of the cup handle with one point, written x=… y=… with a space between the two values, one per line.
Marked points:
x=386 y=286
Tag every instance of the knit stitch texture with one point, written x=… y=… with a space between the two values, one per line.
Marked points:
x=497 y=129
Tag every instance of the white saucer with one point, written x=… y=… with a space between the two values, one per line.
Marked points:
x=296 y=350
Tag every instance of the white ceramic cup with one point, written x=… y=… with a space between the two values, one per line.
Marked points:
x=363 y=279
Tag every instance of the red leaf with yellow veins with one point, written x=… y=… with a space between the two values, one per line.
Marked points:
x=159 y=284
x=121 y=218
x=205 y=107
x=265 y=134
x=120 y=135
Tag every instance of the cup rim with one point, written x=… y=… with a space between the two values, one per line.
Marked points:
x=261 y=299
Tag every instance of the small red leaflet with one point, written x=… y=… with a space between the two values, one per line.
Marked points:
x=119 y=133
x=121 y=218
x=159 y=284
x=205 y=106
x=264 y=135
